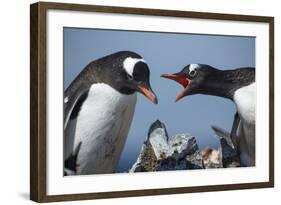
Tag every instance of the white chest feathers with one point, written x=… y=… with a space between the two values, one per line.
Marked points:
x=245 y=100
x=102 y=126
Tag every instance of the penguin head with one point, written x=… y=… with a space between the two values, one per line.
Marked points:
x=194 y=78
x=137 y=77
x=129 y=73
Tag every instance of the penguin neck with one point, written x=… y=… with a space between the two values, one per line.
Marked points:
x=224 y=83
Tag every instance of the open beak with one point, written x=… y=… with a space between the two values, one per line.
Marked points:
x=181 y=80
x=147 y=92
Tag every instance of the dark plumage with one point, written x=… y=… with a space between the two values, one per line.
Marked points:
x=104 y=70
x=71 y=162
x=98 y=109
x=211 y=81
x=237 y=85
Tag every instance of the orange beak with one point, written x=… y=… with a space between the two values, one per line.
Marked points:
x=147 y=92
x=181 y=80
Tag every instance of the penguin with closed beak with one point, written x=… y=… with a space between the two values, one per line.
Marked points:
x=99 y=106
x=237 y=85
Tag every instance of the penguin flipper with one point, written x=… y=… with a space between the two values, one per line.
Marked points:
x=73 y=102
x=233 y=133
x=221 y=133
x=70 y=164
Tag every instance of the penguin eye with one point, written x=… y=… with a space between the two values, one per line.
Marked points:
x=193 y=73
x=129 y=77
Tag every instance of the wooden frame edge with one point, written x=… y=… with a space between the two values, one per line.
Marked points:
x=34 y=190
x=154 y=192
x=154 y=12
x=38 y=101
x=271 y=101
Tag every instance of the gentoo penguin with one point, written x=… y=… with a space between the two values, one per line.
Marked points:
x=237 y=85
x=98 y=109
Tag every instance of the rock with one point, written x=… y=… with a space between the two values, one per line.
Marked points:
x=161 y=152
x=158 y=138
x=195 y=160
x=212 y=158
x=146 y=161
x=180 y=152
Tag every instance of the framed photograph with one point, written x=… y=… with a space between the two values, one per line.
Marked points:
x=134 y=102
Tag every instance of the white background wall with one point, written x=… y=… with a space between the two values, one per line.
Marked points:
x=14 y=100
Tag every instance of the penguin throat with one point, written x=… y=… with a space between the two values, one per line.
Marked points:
x=126 y=91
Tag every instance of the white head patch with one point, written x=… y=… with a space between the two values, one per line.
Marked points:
x=193 y=67
x=129 y=64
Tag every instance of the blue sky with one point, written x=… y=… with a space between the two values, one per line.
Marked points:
x=164 y=53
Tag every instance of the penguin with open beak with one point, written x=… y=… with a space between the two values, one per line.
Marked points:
x=237 y=85
x=99 y=106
